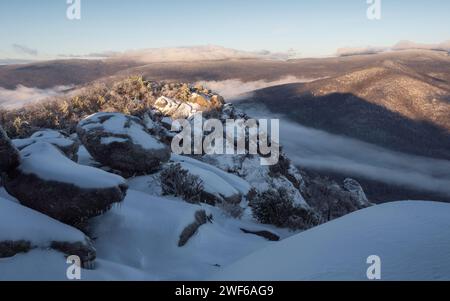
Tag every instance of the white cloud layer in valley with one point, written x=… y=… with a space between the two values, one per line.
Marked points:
x=320 y=150
x=236 y=89
x=11 y=99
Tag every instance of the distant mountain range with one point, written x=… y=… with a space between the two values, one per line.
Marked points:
x=398 y=100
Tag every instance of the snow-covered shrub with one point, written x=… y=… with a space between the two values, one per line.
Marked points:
x=131 y=96
x=330 y=199
x=179 y=182
x=276 y=207
x=281 y=168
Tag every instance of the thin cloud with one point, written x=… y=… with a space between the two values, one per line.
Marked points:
x=320 y=150
x=402 y=45
x=94 y=55
x=236 y=89
x=12 y=99
x=25 y=50
x=200 y=53
x=348 y=51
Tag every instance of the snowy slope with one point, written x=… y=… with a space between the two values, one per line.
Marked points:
x=411 y=238
x=138 y=240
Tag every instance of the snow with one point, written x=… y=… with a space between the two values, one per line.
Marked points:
x=109 y=140
x=215 y=180
x=48 y=163
x=176 y=108
x=150 y=184
x=121 y=125
x=21 y=223
x=412 y=239
x=50 y=136
x=6 y=196
x=49 y=265
x=138 y=240
x=85 y=158
x=258 y=176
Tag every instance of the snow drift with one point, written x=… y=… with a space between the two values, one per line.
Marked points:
x=411 y=238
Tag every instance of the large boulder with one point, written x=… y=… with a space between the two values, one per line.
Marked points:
x=49 y=182
x=122 y=142
x=9 y=155
x=23 y=229
x=58 y=139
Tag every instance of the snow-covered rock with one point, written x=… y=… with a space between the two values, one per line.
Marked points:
x=411 y=238
x=194 y=103
x=223 y=186
x=22 y=229
x=176 y=109
x=64 y=143
x=122 y=143
x=357 y=191
x=9 y=155
x=49 y=182
x=256 y=175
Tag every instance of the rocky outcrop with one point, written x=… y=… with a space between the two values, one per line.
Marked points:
x=181 y=101
x=174 y=108
x=122 y=142
x=48 y=182
x=56 y=138
x=9 y=155
x=23 y=230
x=332 y=200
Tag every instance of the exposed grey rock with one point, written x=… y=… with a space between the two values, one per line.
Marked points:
x=264 y=234
x=122 y=142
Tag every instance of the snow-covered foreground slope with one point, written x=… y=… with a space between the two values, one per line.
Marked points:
x=138 y=240
x=411 y=238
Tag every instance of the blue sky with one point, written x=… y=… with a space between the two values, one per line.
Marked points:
x=313 y=27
